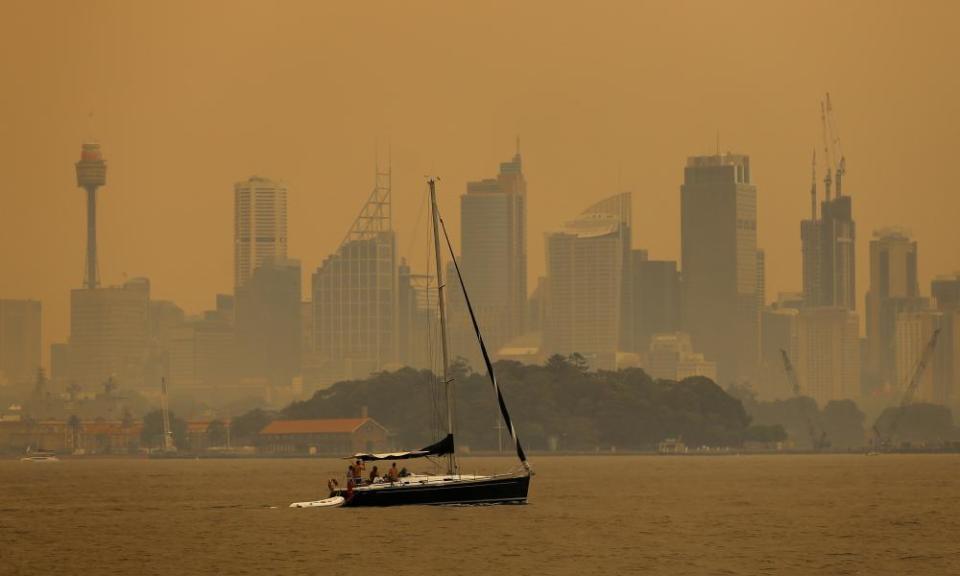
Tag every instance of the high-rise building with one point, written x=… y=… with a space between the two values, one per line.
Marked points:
x=91 y=174
x=418 y=319
x=203 y=354
x=828 y=353
x=837 y=254
x=109 y=333
x=779 y=330
x=761 y=279
x=259 y=225
x=587 y=281
x=894 y=289
x=268 y=322
x=655 y=290
x=945 y=291
x=493 y=220
x=912 y=332
x=718 y=213
x=355 y=295
x=19 y=340
x=671 y=357
x=829 y=251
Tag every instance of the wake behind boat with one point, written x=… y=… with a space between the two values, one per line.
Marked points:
x=39 y=456
x=451 y=487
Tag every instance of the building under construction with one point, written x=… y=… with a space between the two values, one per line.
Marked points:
x=829 y=238
x=355 y=307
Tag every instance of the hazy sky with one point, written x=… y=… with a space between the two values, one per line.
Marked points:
x=188 y=98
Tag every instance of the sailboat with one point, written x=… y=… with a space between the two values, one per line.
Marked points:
x=451 y=487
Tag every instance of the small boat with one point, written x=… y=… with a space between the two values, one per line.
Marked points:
x=39 y=456
x=450 y=487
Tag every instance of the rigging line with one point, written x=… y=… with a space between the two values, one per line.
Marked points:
x=486 y=357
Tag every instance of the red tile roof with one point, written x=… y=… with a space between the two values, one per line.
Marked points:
x=331 y=426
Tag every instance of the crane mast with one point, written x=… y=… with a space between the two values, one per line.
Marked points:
x=168 y=445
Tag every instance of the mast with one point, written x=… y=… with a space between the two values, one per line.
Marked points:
x=164 y=406
x=447 y=381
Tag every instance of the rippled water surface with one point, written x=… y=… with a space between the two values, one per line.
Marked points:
x=830 y=514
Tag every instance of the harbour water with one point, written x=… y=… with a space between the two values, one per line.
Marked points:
x=815 y=514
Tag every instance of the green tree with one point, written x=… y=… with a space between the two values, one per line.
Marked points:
x=245 y=428
x=217 y=433
x=843 y=424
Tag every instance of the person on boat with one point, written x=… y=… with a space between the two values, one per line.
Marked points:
x=358 y=472
x=393 y=474
x=404 y=472
x=374 y=475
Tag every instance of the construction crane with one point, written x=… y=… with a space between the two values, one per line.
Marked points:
x=840 y=168
x=168 y=445
x=818 y=442
x=911 y=389
x=827 y=152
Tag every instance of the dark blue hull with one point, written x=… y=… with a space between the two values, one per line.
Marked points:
x=490 y=490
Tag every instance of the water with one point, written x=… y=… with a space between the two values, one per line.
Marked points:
x=828 y=514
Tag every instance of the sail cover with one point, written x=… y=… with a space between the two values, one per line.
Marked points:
x=440 y=448
x=486 y=356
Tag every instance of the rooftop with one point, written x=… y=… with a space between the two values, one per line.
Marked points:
x=329 y=426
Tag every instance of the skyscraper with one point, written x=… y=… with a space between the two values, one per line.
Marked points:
x=109 y=333
x=946 y=365
x=493 y=219
x=355 y=294
x=894 y=289
x=655 y=290
x=259 y=225
x=268 y=322
x=91 y=174
x=718 y=217
x=19 y=340
x=587 y=280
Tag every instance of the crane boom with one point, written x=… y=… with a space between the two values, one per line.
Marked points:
x=912 y=386
x=920 y=368
x=818 y=442
x=791 y=375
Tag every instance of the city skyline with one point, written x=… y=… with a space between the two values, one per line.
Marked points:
x=587 y=130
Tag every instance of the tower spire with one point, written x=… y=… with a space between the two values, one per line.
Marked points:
x=91 y=174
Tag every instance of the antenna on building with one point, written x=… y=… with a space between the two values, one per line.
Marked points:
x=828 y=157
x=813 y=186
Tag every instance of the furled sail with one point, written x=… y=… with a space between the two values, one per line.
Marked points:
x=486 y=356
x=439 y=448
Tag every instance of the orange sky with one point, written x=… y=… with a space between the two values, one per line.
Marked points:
x=188 y=98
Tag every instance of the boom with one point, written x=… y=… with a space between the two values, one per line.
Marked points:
x=820 y=442
x=912 y=386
